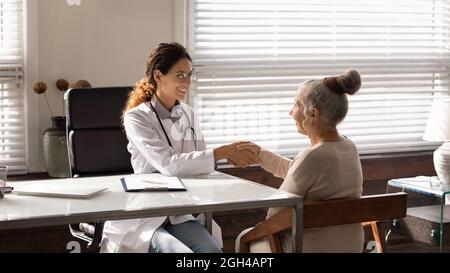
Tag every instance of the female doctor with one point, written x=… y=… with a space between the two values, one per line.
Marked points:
x=165 y=136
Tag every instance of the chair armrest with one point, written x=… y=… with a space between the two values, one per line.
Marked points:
x=91 y=233
x=270 y=228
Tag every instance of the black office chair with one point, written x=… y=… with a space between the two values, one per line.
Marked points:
x=97 y=144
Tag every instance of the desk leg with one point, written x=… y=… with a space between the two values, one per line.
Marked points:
x=208 y=222
x=297 y=228
x=441 y=224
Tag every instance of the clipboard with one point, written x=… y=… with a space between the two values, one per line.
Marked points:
x=141 y=185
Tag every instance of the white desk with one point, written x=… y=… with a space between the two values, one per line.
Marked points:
x=206 y=193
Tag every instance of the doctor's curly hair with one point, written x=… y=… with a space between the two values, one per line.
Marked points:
x=161 y=58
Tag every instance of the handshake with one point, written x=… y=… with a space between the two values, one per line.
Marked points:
x=240 y=154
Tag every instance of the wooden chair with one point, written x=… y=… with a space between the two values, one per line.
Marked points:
x=369 y=210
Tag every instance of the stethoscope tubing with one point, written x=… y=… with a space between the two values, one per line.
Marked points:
x=164 y=130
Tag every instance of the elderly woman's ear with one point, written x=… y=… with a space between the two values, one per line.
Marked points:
x=315 y=113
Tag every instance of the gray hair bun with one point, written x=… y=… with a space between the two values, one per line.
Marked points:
x=350 y=82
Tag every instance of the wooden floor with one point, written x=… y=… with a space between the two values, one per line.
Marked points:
x=400 y=244
x=412 y=248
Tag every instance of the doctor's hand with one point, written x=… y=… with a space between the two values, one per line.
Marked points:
x=250 y=146
x=241 y=158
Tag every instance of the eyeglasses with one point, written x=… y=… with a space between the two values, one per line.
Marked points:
x=181 y=76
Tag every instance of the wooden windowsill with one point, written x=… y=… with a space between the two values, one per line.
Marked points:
x=30 y=176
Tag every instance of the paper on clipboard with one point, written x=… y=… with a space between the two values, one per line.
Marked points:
x=152 y=183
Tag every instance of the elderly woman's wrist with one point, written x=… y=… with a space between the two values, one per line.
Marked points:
x=261 y=154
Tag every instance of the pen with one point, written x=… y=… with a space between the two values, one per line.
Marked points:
x=154 y=182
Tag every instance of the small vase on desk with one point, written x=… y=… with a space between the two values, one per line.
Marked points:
x=55 y=148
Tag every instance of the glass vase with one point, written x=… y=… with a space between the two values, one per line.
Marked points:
x=55 y=148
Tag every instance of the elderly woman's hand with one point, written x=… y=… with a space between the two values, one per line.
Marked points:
x=238 y=157
x=247 y=147
x=250 y=146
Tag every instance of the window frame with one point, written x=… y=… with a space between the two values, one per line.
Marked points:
x=31 y=100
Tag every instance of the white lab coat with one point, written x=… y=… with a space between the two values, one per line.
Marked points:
x=151 y=152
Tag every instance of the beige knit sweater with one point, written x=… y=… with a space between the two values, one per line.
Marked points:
x=327 y=170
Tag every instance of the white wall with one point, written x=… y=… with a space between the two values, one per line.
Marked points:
x=103 y=41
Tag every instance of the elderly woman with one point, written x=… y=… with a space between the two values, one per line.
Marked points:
x=328 y=169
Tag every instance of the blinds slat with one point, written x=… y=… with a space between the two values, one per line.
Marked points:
x=12 y=130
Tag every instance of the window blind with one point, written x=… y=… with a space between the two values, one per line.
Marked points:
x=12 y=130
x=251 y=55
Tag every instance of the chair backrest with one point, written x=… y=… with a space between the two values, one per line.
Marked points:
x=348 y=211
x=370 y=208
x=97 y=143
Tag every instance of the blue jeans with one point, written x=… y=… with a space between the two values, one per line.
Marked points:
x=187 y=237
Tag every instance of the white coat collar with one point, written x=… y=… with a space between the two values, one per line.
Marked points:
x=163 y=113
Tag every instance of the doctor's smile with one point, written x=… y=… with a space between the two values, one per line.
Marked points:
x=182 y=92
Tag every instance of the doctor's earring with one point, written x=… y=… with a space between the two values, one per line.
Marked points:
x=157 y=74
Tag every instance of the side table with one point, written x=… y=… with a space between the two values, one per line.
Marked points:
x=431 y=187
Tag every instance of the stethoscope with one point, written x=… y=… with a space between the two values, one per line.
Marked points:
x=184 y=133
